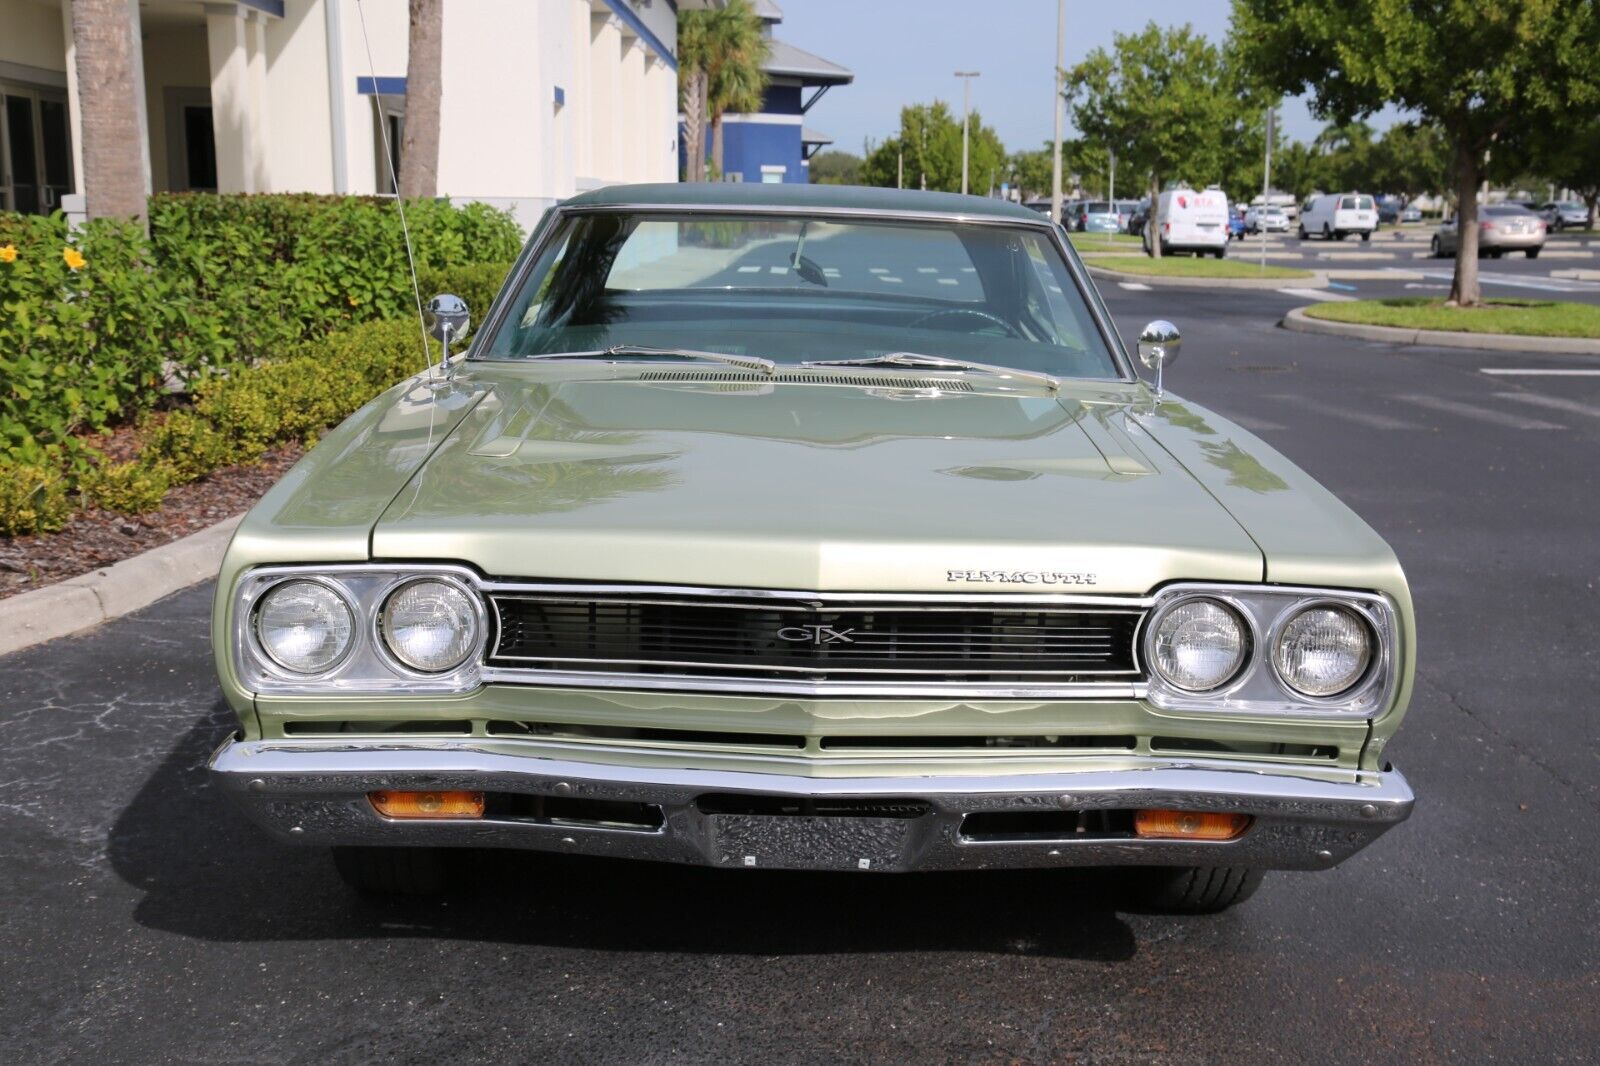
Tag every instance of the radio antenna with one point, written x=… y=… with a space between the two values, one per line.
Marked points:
x=399 y=201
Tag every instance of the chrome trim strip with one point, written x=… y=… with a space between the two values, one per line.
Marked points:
x=314 y=792
x=1099 y=690
x=933 y=601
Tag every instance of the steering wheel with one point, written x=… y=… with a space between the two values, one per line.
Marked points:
x=970 y=312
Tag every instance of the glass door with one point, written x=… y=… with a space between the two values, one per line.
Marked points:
x=35 y=149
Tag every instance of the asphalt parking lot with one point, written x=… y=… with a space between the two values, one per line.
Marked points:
x=145 y=921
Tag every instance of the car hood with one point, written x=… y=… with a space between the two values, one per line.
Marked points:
x=717 y=477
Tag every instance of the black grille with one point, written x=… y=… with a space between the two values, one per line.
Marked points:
x=817 y=642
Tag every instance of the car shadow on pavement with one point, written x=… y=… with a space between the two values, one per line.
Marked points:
x=207 y=872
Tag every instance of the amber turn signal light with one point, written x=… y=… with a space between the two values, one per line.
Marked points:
x=428 y=804
x=1188 y=825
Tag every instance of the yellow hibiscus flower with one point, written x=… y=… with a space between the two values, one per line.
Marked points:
x=73 y=258
x=8 y=253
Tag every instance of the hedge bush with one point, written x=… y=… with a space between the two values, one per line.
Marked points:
x=88 y=329
x=94 y=323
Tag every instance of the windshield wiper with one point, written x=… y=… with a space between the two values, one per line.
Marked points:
x=748 y=362
x=913 y=360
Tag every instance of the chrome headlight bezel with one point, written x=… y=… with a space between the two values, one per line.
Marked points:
x=1257 y=688
x=367 y=666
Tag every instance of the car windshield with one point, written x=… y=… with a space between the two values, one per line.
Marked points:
x=1099 y=207
x=1506 y=210
x=794 y=289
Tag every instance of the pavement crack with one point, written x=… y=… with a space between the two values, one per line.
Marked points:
x=1511 y=742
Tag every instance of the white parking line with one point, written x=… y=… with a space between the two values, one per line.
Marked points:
x=948 y=281
x=1133 y=286
x=927 y=270
x=1533 y=372
x=1554 y=403
x=1481 y=414
x=1316 y=294
x=750 y=270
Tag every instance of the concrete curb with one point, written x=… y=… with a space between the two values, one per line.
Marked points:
x=1314 y=281
x=83 y=602
x=1300 y=322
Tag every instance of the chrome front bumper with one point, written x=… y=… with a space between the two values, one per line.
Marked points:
x=316 y=793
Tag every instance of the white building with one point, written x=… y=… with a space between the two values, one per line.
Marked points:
x=540 y=98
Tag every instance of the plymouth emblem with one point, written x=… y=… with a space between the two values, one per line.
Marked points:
x=816 y=634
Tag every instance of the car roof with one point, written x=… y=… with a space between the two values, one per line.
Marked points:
x=735 y=195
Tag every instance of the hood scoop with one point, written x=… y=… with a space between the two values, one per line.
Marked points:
x=807 y=377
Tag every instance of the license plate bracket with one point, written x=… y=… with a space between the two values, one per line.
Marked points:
x=809 y=842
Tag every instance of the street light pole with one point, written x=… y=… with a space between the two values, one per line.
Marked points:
x=966 y=77
x=1059 y=107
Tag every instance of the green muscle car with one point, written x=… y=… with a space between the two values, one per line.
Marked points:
x=810 y=528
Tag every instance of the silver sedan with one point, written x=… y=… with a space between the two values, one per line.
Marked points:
x=1502 y=228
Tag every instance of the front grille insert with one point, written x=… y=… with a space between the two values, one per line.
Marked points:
x=642 y=735
x=816 y=641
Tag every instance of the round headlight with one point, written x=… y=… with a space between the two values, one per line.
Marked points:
x=1199 y=645
x=304 y=626
x=431 y=626
x=1323 y=651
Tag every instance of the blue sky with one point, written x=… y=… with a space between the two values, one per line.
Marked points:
x=905 y=51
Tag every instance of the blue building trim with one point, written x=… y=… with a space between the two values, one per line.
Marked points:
x=634 y=23
x=381 y=86
x=561 y=96
x=266 y=7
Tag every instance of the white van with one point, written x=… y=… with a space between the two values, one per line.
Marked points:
x=1338 y=215
x=1192 y=221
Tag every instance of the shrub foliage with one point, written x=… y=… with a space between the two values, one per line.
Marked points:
x=277 y=315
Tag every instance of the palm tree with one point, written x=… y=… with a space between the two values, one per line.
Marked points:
x=723 y=65
x=108 y=93
x=692 y=91
x=419 y=151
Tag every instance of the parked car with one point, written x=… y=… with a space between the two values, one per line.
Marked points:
x=1502 y=228
x=1137 y=220
x=1099 y=216
x=1125 y=212
x=1337 y=216
x=1266 y=219
x=632 y=575
x=1411 y=214
x=1191 y=221
x=1236 y=230
x=1388 y=212
x=1560 y=215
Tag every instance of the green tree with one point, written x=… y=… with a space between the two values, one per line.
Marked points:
x=834 y=167
x=929 y=145
x=1297 y=169
x=1488 y=74
x=1164 y=100
x=722 y=56
x=1411 y=159
x=1031 y=171
x=1348 y=156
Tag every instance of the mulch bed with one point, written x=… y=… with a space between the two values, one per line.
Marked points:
x=94 y=539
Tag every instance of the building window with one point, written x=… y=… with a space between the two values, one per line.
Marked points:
x=35 y=149
x=191 y=140
x=389 y=114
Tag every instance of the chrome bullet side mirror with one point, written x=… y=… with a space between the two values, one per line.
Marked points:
x=1159 y=344
x=449 y=321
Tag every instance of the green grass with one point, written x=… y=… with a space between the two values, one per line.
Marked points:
x=1103 y=242
x=1522 y=318
x=1172 y=266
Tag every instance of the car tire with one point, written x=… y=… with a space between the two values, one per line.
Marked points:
x=1532 y=253
x=1496 y=253
x=1222 y=253
x=1195 y=889
x=1365 y=237
x=394 y=871
x=1302 y=233
x=1327 y=234
x=1434 y=251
